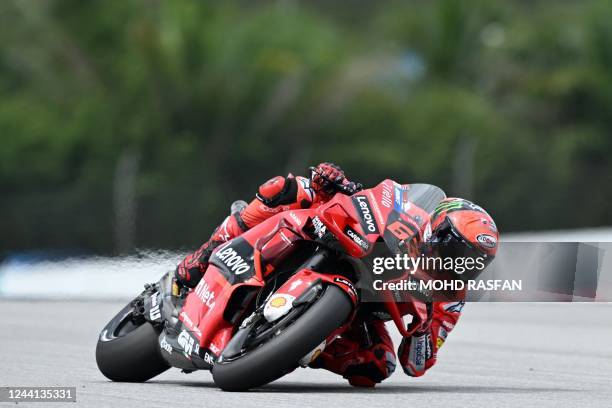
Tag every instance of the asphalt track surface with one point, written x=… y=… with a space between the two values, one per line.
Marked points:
x=500 y=355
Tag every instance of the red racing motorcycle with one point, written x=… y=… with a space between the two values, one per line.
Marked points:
x=274 y=297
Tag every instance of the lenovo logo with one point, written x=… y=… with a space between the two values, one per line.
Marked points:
x=363 y=205
x=234 y=262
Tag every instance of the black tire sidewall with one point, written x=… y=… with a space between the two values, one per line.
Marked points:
x=135 y=357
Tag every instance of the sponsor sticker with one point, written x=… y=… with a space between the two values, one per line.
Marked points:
x=486 y=240
x=233 y=261
x=186 y=342
x=278 y=301
x=165 y=345
x=295 y=218
x=454 y=307
x=184 y=317
x=319 y=228
x=278 y=306
x=347 y=283
x=155 y=313
x=401 y=202
x=387 y=195
x=358 y=239
x=368 y=222
x=442 y=333
x=206 y=295
x=429 y=347
x=209 y=358
x=295 y=284
x=417 y=352
x=214 y=348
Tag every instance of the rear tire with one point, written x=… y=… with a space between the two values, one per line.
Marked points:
x=281 y=354
x=131 y=357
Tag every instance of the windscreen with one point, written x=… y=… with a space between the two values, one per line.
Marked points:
x=424 y=196
x=412 y=204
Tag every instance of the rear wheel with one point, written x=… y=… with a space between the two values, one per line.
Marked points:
x=269 y=360
x=128 y=349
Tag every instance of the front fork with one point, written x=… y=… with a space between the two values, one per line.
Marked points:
x=161 y=308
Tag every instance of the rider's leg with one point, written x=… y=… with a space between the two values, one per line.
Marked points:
x=363 y=355
x=190 y=271
x=274 y=196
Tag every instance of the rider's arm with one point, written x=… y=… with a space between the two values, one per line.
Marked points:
x=291 y=193
x=418 y=353
x=276 y=195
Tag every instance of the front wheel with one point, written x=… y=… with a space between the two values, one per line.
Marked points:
x=272 y=359
x=128 y=350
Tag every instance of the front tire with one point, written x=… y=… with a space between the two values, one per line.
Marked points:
x=129 y=352
x=281 y=354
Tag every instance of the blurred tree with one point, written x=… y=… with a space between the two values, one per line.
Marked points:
x=507 y=103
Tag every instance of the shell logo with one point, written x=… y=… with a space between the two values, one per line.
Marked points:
x=278 y=302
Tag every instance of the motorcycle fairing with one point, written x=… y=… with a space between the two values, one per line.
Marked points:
x=202 y=313
x=390 y=211
x=305 y=278
x=234 y=265
x=234 y=259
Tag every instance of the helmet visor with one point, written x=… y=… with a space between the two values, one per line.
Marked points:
x=460 y=257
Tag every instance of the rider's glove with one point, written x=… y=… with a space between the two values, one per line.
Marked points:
x=328 y=178
x=418 y=353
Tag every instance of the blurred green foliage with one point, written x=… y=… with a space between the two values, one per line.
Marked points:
x=212 y=98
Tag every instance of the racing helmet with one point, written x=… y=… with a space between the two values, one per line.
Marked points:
x=459 y=228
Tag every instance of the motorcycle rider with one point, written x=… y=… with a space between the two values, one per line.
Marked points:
x=456 y=228
x=452 y=231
